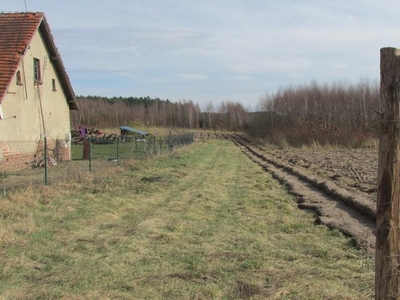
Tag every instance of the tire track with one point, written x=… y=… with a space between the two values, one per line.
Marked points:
x=335 y=206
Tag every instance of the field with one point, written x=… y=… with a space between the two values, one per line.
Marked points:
x=338 y=184
x=352 y=169
x=204 y=222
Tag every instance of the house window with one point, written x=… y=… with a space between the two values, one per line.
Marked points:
x=19 y=80
x=53 y=84
x=36 y=71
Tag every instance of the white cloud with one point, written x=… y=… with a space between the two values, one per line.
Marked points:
x=241 y=77
x=191 y=77
x=245 y=46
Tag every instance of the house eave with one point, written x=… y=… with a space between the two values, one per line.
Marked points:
x=55 y=57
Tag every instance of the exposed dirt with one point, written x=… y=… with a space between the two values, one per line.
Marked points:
x=339 y=185
x=354 y=169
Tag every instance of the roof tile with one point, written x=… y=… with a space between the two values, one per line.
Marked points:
x=16 y=33
x=17 y=30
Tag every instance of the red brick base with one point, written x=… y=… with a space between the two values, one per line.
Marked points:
x=14 y=160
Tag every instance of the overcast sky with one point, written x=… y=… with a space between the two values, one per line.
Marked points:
x=215 y=50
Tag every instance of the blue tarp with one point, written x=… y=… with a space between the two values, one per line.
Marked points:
x=133 y=130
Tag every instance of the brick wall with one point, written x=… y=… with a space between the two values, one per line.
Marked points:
x=16 y=162
x=19 y=155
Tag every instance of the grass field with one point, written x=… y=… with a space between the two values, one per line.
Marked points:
x=201 y=223
x=133 y=148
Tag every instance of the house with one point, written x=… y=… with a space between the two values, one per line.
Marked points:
x=36 y=95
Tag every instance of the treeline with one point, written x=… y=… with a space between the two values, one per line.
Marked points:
x=339 y=113
x=103 y=112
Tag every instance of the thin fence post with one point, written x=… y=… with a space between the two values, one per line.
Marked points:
x=387 y=254
x=90 y=154
x=155 y=145
x=46 y=165
x=169 y=144
x=117 y=151
x=136 y=150
x=151 y=147
x=57 y=151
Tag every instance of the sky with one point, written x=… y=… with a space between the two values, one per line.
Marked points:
x=215 y=50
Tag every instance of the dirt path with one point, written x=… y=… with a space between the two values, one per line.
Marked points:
x=348 y=211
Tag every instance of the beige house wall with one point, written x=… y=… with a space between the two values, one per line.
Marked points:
x=38 y=109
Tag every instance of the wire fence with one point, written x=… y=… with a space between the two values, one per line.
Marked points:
x=37 y=162
x=17 y=154
x=129 y=147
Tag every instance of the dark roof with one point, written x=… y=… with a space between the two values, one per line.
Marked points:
x=16 y=33
x=131 y=129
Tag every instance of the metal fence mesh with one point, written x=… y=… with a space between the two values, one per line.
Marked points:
x=138 y=148
x=16 y=155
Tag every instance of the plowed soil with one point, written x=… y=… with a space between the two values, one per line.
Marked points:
x=338 y=184
x=352 y=169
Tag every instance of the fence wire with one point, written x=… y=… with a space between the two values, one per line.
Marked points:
x=129 y=148
x=16 y=154
x=20 y=160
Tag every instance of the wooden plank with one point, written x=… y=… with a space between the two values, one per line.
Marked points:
x=387 y=259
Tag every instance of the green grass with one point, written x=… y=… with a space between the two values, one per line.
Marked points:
x=133 y=149
x=136 y=150
x=202 y=223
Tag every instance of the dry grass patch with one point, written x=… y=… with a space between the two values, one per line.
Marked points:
x=206 y=223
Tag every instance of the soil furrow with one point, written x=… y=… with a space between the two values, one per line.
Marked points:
x=335 y=207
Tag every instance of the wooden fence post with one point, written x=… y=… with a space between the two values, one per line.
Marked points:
x=387 y=260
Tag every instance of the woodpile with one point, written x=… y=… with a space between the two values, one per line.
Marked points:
x=96 y=136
